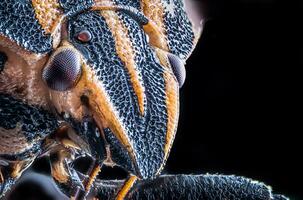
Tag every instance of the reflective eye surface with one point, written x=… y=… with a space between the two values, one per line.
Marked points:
x=178 y=68
x=63 y=71
x=84 y=36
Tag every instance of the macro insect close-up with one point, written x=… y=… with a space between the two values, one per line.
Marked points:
x=98 y=81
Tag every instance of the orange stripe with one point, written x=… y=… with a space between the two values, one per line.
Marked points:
x=154 y=11
x=172 y=103
x=48 y=14
x=125 y=52
x=104 y=113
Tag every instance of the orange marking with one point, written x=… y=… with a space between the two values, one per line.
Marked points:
x=19 y=167
x=103 y=109
x=172 y=103
x=48 y=14
x=126 y=53
x=100 y=106
x=162 y=56
x=156 y=37
x=58 y=169
x=154 y=11
x=154 y=28
x=63 y=134
x=126 y=187
x=103 y=5
x=59 y=173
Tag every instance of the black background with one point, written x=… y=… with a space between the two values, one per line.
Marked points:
x=238 y=106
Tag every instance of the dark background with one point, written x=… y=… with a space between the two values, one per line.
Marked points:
x=239 y=106
x=239 y=111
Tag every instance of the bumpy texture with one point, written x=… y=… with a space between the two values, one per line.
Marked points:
x=147 y=133
x=173 y=22
x=22 y=130
x=18 y=23
x=179 y=29
x=150 y=143
x=74 y=6
x=191 y=187
x=3 y=59
x=4 y=187
x=139 y=88
x=132 y=3
x=118 y=152
x=35 y=124
x=48 y=14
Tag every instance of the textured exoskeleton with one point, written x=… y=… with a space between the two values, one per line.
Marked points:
x=93 y=77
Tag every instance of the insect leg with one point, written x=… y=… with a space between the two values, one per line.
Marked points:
x=128 y=185
x=114 y=189
x=88 y=181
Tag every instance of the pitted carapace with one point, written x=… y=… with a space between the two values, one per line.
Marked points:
x=96 y=78
x=96 y=73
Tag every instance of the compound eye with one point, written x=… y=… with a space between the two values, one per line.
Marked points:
x=63 y=71
x=178 y=68
x=84 y=36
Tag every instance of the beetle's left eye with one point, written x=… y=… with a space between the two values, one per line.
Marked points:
x=84 y=36
x=63 y=71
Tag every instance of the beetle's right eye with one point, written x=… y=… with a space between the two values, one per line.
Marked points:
x=178 y=68
x=84 y=36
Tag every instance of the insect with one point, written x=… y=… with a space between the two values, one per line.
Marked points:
x=98 y=78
